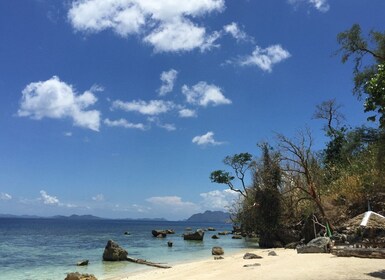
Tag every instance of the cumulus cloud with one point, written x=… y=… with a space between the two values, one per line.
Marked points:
x=57 y=100
x=265 y=58
x=203 y=94
x=152 y=107
x=168 y=78
x=219 y=200
x=124 y=123
x=48 y=199
x=187 y=113
x=234 y=30
x=320 y=5
x=5 y=196
x=166 y=25
x=206 y=139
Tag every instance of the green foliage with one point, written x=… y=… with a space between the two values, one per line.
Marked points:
x=368 y=77
x=375 y=100
x=221 y=177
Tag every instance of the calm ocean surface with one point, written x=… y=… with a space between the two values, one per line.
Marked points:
x=47 y=249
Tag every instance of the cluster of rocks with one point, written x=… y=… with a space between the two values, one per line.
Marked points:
x=162 y=233
x=79 y=276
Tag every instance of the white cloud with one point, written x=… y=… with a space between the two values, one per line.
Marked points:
x=5 y=196
x=98 y=197
x=168 y=78
x=320 y=5
x=174 y=201
x=177 y=35
x=265 y=58
x=166 y=24
x=219 y=200
x=48 y=199
x=58 y=100
x=206 y=139
x=187 y=113
x=124 y=123
x=158 y=123
x=153 y=107
x=234 y=30
x=203 y=94
x=68 y=134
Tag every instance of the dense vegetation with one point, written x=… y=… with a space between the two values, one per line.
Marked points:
x=293 y=184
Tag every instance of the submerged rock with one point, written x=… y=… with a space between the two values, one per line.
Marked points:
x=78 y=276
x=82 y=263
x=113 y=252
x=214 y=237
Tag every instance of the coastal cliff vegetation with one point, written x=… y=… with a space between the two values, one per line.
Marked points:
x=291 y=183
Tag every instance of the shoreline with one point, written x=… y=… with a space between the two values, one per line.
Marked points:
x=286 y=265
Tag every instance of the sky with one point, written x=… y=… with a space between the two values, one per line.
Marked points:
x=122 y=108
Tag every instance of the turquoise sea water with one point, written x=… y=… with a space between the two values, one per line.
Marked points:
x=47 y=249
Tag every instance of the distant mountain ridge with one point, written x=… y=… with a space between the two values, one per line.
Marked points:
x=210 y=217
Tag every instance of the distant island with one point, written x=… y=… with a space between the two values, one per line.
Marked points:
x=210 y=217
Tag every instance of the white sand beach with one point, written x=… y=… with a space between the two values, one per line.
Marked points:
x=286 y=265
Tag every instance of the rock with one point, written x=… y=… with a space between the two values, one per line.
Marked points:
x=253 y=264
x=188 y=229
x=198 y=235
x=113 y=252
x=214 y=237
x=249 y=256
x=217 y=251
x=82 y=263
x=211 y=229
x=170 y=231
x=78 y=276
x=127 y=233
x=223 y=233
x=292 y=245
x=236 y=236
x=218 y=258
x=272 y=253
x=169 y=243
x=317 y=245
x=159 y=233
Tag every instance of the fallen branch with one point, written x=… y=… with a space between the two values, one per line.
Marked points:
x=141 y=261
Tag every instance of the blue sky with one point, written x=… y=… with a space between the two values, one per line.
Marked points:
x=122 y=108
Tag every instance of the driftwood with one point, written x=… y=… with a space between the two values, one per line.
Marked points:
x=141 y=261
x=372 y=253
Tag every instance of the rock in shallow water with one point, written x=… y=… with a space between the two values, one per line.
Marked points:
x=113 y=252
x=78 y=276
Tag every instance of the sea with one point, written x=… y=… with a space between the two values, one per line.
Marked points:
x=48 y=249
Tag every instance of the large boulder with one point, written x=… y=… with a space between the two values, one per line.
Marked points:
x=317 y=245
x=198 y=235
x=113 y=252
x=78 y=276
x=217 y=251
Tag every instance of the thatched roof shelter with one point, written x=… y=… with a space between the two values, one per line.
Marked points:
x=374 y=221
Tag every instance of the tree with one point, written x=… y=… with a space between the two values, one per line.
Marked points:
x=302 y=168
x=267 y=182
x=354 y=45
x=240 y=163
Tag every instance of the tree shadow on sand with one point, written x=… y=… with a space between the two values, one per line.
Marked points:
x=378 y=274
